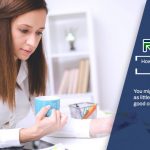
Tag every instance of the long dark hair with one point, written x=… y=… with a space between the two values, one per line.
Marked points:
x=37 y=68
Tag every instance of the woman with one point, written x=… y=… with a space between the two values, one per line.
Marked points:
x=23 y=73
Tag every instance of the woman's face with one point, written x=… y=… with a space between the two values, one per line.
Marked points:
x=27 y=32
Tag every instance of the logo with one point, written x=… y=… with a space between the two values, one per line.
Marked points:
x=146 y=45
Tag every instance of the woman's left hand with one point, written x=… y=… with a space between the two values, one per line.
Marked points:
x=101 y=126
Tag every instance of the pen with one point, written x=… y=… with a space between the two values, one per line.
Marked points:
x=90 y=111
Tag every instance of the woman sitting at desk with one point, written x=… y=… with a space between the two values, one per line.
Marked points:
x=22 y=64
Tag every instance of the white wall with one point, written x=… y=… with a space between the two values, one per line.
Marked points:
x=116 y=24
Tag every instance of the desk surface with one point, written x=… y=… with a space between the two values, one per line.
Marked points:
x=71 y=143
x=78 y=143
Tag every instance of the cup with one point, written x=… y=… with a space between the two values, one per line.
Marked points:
x=42 y=101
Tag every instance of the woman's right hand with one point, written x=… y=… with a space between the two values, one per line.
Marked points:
x=46 y=125
x=43 y=125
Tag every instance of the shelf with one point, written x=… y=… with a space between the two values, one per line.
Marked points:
x=77 y=98
x=70 y=54
x=78 y=95
x=61 y=25
x=60 y=15
x=73 y=74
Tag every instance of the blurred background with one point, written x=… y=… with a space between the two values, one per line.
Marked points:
x=110 y=41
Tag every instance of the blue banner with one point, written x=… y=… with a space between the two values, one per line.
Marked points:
x=131 y=129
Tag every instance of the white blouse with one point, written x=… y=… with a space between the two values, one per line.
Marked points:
x=9 y=135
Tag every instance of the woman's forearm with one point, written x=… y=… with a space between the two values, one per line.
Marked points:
x=28 y=134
